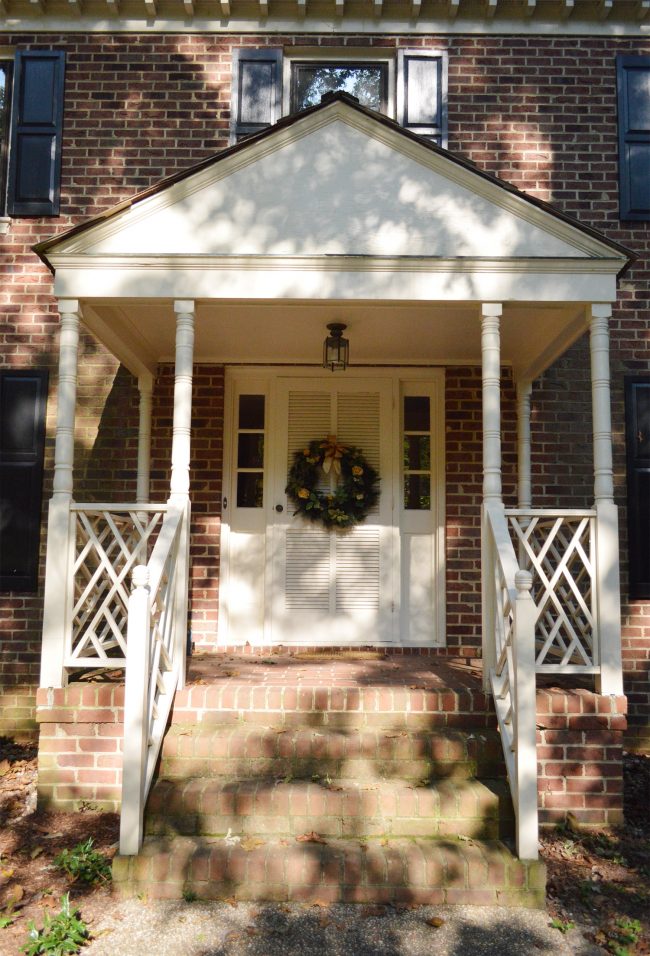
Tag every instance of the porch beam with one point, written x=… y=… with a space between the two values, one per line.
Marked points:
x=491 y=373
x=59 y=560
x=610 y=678
x=145 y=388
x=180 y=477
x=524 y=478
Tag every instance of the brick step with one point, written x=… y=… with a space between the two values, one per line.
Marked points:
x=350 y=704
x=341 y=808
x=245 y=751
x=419 y=871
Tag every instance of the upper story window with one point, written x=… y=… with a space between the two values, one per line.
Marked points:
x=407 y=85
x=633 y=80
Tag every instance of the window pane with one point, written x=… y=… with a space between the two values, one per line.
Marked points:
x=417 y=452
x=250 y=492
x=250 y=451
x=417 y=492
x=251 y=411
x=365 y=81
x=417 y=416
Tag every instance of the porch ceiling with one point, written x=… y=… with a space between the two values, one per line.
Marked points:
x=141 y=334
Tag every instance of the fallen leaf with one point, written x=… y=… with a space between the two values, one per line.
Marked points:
x=249 y=843
x=436 y=922
x=311 y=837
x=250 y=931
x=36 y=852
x=320 y=903
x=14 y=896
x=5 y=767
x=230 y=900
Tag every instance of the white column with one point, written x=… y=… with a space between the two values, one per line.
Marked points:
x=60 y=526
x=145 y=388
x=491 y=353
x=610 y=679
x=180 y=479
x=524 y=484
x=491 y=357
x=525 y=717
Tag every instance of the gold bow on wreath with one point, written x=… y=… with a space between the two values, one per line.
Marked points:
x=333 y=452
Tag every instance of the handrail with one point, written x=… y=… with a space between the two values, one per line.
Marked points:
x=511 y=632
x=155 y=665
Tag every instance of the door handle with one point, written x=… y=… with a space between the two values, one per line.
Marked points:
x=279 y=509
x=225 y=503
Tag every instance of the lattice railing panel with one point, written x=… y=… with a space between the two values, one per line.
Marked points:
x=558 y=548
x=110 y=540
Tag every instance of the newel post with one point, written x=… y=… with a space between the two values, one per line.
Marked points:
x=59 y=562
x=136 y=714
x=491 y=376
x=525 y=717
x=610 y=678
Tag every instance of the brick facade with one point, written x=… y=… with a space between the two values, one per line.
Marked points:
x=540 y=112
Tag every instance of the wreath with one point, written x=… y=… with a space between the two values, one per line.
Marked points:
x=356 y=489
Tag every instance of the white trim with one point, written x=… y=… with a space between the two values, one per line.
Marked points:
x=423 y=27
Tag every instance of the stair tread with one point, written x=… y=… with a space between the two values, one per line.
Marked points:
x=380 y=870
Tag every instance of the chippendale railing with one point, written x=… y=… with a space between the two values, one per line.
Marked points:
x=156 y=647
x=558 y=548
x=109 y=541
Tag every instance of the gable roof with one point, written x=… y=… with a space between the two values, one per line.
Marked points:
x=425 y=192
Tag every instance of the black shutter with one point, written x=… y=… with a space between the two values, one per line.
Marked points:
x=422 y=93
x=256 y=91
x=637 y=417
x=22 y=433
x=633 y=78
x=36 y=132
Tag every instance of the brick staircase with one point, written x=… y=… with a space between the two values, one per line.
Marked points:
x=323 y=779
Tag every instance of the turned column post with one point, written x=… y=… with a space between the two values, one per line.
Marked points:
x=491 y=375
x=145 y=389
x=524 y=479
x=610 y=678
x=57 y=611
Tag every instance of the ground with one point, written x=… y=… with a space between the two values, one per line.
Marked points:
x=598 y=894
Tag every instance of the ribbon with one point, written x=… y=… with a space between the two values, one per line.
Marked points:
x=332 y=454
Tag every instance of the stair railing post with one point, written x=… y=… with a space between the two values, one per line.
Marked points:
x=136 y=714
x=525 y=719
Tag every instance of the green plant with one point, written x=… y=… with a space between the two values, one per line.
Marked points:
x=189 y=895
x=60 y=935
x=6 y=921
x=564 y=925
x=84 y=864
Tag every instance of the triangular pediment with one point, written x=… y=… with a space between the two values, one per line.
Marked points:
x=336 y=181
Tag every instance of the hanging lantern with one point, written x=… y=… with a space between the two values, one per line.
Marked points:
x=336 y=349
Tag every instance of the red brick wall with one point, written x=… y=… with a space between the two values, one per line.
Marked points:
x=541 y=112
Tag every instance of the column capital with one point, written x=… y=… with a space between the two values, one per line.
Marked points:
x=69 y=307
x=184 y=306
x=600 y=310
x=491 y=309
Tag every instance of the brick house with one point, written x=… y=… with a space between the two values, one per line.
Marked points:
x=186 y=213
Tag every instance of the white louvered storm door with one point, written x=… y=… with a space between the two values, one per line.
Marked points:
x=331 y=587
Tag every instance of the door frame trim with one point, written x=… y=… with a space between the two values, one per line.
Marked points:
x=236 y=374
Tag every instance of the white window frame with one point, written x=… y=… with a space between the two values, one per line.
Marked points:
x=293 y=55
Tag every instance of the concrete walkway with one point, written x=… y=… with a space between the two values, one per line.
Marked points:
x=141 y=928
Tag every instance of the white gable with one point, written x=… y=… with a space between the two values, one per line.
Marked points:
x=341 y=185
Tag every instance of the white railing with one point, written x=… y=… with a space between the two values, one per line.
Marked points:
x=109 y=541
x=510 y=622
x=558 y=547
x=155 y=665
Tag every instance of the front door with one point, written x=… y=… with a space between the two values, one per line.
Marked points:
x=328 y=586
x=285 y=580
